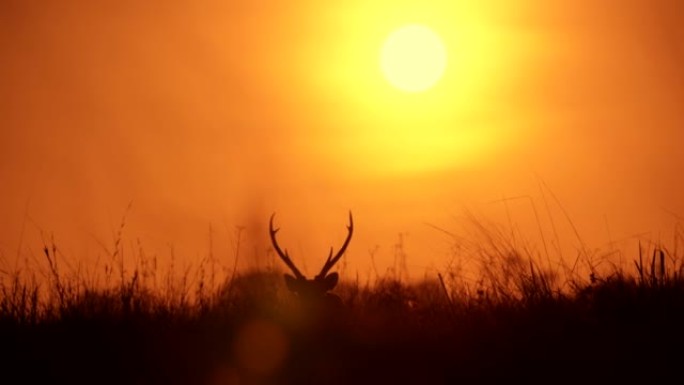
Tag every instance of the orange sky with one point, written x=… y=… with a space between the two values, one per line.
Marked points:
x=220 y=112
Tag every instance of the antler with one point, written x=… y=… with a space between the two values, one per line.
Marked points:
x=283 y=255
x=333 y=260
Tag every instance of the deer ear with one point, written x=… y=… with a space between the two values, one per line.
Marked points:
x=290 y=282
x=330 y=281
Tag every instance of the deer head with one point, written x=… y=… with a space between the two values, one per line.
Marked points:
x=323 y=282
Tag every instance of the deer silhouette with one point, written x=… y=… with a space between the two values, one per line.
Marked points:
x=313 y=291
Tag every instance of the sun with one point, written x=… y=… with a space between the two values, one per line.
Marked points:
x=413 y=58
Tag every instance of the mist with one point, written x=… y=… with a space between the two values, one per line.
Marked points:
x=191 y=123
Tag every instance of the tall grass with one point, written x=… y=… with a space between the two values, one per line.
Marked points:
x=511 y=314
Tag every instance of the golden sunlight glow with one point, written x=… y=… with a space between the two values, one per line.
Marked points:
x=413 y=58
x=409 y=86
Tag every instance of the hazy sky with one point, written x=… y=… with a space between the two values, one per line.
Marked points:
x=218 y=113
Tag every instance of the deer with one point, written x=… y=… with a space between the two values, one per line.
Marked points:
x=313 y=292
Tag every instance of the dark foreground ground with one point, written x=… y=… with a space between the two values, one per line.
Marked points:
x=612 y=330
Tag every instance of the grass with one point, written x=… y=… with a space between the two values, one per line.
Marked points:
x=513 y=316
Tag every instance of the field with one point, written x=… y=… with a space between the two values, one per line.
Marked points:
x=519 y=321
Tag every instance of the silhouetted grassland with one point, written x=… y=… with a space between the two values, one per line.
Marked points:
x=517 y=321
